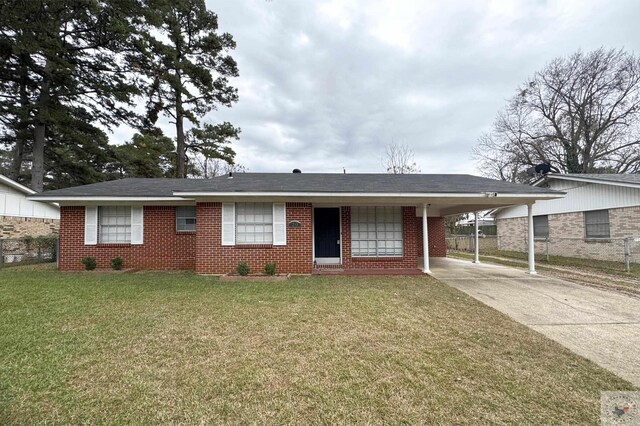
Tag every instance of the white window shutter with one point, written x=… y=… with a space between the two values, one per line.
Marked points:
x=279 y=224
x=90 y=225
x=228 y=224
x=137 y=225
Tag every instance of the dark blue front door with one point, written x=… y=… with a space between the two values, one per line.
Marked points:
x=326 y=225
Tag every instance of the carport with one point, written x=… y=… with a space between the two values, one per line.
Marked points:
x=474 y=203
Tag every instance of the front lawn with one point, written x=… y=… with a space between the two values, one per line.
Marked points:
x=181 y=348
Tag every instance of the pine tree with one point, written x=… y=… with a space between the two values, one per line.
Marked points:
x=59 y=57
x=187 y=68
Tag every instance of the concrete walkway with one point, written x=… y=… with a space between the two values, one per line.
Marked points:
x=600 y=325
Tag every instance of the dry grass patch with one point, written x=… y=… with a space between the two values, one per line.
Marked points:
x=179 y=348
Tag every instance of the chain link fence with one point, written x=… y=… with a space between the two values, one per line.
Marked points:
x=612 y=253
x=28 y=250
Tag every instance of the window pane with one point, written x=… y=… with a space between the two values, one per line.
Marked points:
x=376 y=231
x=114 y=224
x=541 y=226
x=254 y=223
x=597 y=224
x=185 y=218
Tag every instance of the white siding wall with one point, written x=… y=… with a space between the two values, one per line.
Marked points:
x=14 y=203
x=581 y=196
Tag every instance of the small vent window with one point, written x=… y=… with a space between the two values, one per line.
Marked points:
x=186 y=219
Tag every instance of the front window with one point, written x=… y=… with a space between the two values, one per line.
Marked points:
x=376 y=231
x=596 y=224
x=114 y=224
x=254 y=223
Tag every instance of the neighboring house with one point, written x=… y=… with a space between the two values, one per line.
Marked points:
x=354 y=222
x=20 y=217
x=592 y=220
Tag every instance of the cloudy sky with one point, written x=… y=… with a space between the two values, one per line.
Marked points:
x=328 y=84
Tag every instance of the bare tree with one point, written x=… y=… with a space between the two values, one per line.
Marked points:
x=580 y=114
x=207 y=168
x=399 y=160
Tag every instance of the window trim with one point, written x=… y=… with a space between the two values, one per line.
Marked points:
x=194 y=217
x=608 y=223
x=377 y=255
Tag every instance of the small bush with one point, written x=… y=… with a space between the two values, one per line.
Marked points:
x=46 y=242
x=270 y=268
x=243 y=269
x=89 y=263
x=116 y=263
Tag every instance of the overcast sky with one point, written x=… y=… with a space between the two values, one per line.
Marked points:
x=327 y=84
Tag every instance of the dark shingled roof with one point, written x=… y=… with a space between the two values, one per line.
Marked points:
x=299 y=182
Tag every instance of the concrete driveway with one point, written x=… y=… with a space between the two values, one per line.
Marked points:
x=600 y=325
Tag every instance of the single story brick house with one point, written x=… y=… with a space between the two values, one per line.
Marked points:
x=301 y=221
x=20 y=217
x=598 y=212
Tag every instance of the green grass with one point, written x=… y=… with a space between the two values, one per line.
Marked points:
x=179 y=348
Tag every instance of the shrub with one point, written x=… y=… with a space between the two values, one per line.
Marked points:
x=116 y=263
x=270 y=268
x=89 y=263
x=243 y=269
x=28 y=241
x=46 y=242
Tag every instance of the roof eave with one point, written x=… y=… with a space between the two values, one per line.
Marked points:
x=15 y=185
x=588 y=180
x=45 y=198
x=543 y=195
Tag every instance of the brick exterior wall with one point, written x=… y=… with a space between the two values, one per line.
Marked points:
x=163 y=247
x=214 y=258
x=409 y=258
x=567 y=235
x=412 y=242
x=437 y=237
x=19 y=227
x=202 y=251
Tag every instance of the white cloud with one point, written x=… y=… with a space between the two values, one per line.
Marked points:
x=326 y=85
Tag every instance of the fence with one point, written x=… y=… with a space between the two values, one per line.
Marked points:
x=613 y=253
x=27 y=250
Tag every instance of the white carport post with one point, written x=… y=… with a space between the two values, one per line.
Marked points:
x=477 y=238
x=531 y=248
x=425 y=240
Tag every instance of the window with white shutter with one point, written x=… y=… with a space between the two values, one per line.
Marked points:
x=228 y=224
x=114 y=224
x=254 y=223
x=90 y=225
x=279 y=224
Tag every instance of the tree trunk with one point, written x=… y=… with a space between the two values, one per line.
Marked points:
x=37 y=163
x=39 y=133
x=16 y=160
x=22 y=127
x=180 y=149
x=180 y=166
x=573 y=158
